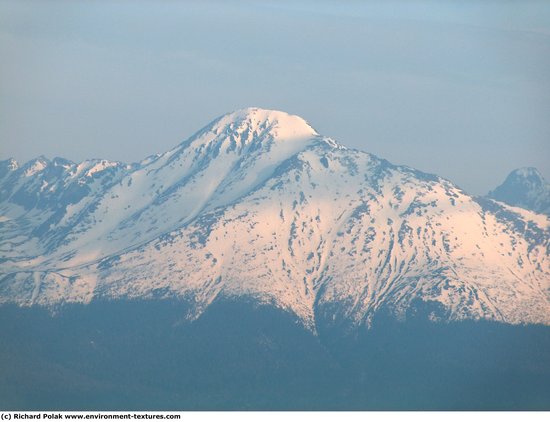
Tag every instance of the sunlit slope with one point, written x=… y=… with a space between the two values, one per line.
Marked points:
x=259 y=205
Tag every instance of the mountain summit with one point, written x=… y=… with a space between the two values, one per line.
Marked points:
x=257 y=205
x=526 y=188
x=257 y=123
x=246 y=130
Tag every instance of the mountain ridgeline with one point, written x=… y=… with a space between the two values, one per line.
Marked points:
x=317 y=275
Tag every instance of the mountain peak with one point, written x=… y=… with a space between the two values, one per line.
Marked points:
x=278 y=124
x=247 y=131
x=10 y=164
x=530 y=173
x=36 y=165
x=524 y=187
x=275 y=118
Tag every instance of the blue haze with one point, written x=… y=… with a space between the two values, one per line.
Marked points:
x=457 y=88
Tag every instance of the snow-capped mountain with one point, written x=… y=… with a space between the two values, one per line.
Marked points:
x=526 y=188
x=259 y=205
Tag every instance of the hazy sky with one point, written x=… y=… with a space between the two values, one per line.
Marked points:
x=460 y=88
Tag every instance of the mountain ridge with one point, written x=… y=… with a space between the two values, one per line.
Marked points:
x=258 y=204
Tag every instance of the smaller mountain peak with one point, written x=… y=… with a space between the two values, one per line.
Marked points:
x=36 y=165
x=524 y=187
x=10 y=164
x=531 y=173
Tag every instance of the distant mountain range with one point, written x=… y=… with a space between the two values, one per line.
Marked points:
x=258 y=205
